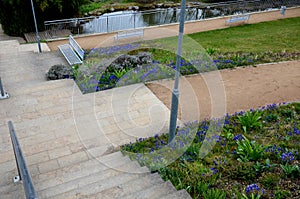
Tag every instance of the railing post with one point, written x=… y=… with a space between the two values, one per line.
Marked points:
x=134 y=14
x=21 y=165
x=107 y=23
x=4 y=95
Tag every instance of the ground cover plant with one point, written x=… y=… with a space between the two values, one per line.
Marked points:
x=259 y=161
x=226 y=48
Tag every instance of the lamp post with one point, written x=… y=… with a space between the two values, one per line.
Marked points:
x=36 y=28
x=175 y=93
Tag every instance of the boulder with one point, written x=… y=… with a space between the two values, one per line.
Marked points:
x=59 y=72
x=131 y=61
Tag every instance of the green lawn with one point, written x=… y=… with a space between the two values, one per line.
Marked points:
x=274 y=35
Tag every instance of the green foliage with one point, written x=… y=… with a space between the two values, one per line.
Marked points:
x=201 y=187
x=291 y=170
x=272 y=117
x=249 y=150
x=243 y=171
x=270 y=180
x=119 y=73
x=250 y=120
x=213 y=194
x=85 y=8
x=144 y=1
x=297 y=108
x=260 y=167
x=75 y=70
x=227 y=134
x=16 y=16
x=281 y=194
x=210 y=51
x=252 y=196
x=289 y=114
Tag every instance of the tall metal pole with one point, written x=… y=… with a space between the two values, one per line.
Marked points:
x=175 y=93
x=36 y=28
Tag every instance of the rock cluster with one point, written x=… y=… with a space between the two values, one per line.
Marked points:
x=59 y=72
x=131 y=61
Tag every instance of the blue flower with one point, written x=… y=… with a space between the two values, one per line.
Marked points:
x=138 y=156
x=296 y=131
x=274 y=149
x=252 y=188
x=287 y=157
x=181 y=144
x=238 y=137
x=96 y=88
x=289 y=133
x=214 y=170
x=112 y=77
x=271 y=106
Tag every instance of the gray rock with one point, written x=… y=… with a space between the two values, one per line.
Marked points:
x=59 y=72
x=131 y=61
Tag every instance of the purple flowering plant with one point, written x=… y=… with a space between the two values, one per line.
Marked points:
x=253 y=191
x=98 y=62
x=261 y=154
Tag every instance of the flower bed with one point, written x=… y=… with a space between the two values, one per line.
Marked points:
x=101 y=72
x=255 y=155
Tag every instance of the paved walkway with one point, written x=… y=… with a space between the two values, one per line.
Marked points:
x=209 y=95
x=61 y=131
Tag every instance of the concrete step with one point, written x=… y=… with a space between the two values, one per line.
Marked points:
x=58 y=175
x=96 y=183
x=129 y=188
x=49 y=86
x=31 y=72
x=182 y=194
x=17 y=194
x=10 y=46
x=80 y=171
x=153 y=192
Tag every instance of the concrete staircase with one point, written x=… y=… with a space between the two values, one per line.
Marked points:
x=69 y=139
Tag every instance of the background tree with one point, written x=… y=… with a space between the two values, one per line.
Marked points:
x=16 y=15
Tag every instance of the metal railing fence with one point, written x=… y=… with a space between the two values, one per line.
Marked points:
x=21 y=165
x=3 y=94
x=137 y=19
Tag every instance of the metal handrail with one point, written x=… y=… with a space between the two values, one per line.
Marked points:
x=3 y=95
x=23 y=172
